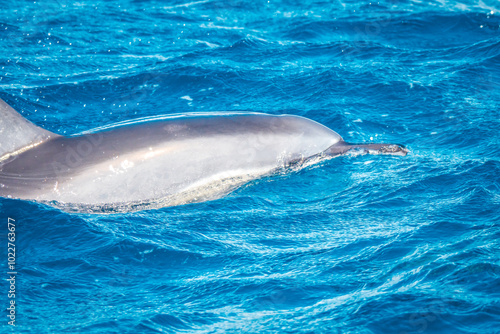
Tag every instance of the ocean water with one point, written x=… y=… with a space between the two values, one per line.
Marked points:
x=356 y=244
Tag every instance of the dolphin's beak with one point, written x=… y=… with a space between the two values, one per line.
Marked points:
x=385 y=149
x=393 y=149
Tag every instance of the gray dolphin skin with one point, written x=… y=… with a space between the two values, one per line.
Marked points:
x=158 y=162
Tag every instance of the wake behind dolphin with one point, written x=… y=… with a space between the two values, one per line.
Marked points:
x=160 y=162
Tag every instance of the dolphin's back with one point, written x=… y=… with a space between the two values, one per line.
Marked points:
x=177 y=160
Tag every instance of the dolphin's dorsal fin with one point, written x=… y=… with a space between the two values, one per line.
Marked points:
x=17 y=134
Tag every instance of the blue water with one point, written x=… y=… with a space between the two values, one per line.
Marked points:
x=357 y=244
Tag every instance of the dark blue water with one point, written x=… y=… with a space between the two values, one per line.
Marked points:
x=357 y=244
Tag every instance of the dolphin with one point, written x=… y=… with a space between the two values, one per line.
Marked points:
x=158 y=162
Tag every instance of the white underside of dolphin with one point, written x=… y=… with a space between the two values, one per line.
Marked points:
x=158 y=162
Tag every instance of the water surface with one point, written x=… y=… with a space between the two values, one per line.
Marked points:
x=357 y=244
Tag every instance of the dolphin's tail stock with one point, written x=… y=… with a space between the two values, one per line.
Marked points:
x=17 y=134
x=386 y=149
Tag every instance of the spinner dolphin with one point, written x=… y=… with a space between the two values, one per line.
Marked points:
x=164 y=161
